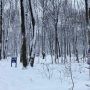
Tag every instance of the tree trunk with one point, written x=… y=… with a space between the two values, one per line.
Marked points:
x=23 y=57
x=32 y=17
x=86 y=7
x=32 y=52
x=0 y=29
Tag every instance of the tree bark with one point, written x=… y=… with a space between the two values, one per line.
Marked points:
x=86 y=7
x=0 y=29
x=23 y=57
x=32 y=52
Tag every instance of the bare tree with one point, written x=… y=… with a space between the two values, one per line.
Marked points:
x=86 y=7
x=23 y=57
x=0 y=28
x=33 y=42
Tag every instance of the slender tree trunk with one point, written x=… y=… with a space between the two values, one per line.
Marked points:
x=86 y=7
x=32 y=16
x=0 y=29
x=32 y=52
x=56 y=41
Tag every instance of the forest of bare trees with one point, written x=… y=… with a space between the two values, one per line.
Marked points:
x=33 y=28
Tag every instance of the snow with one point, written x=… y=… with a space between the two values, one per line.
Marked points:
x=42 y=77
x=6 y=7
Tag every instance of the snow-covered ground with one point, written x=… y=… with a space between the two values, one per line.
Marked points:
x=42 y=77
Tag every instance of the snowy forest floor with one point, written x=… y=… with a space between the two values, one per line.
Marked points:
x=43 y=77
